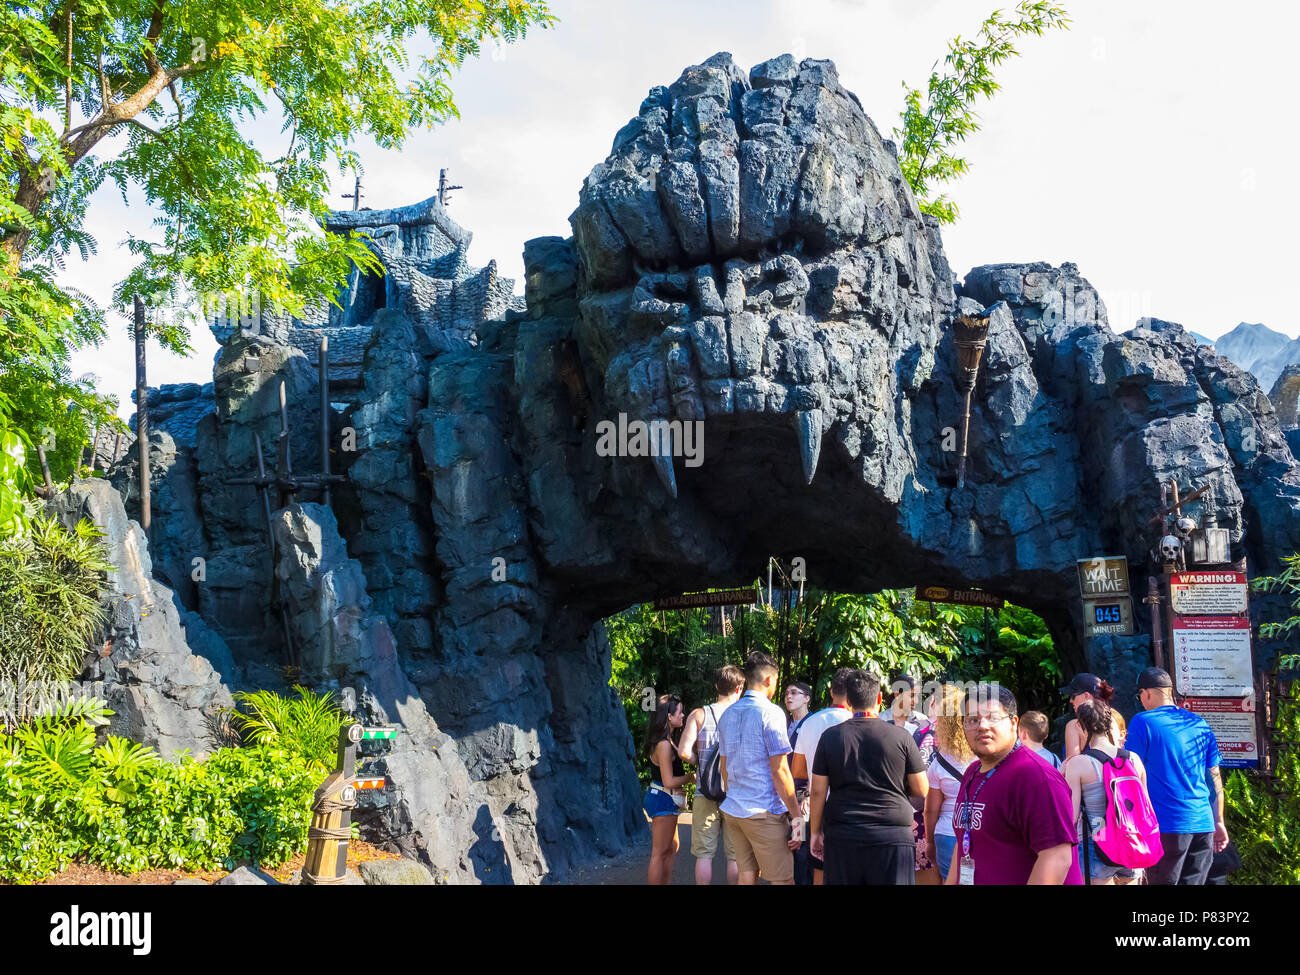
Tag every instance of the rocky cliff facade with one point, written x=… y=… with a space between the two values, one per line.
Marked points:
x=749 y=265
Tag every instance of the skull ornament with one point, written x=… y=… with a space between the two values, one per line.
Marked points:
x=1170 y=548
x=1185 y=526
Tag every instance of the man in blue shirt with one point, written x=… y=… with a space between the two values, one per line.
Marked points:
x=1182 y=759
x=756 y=775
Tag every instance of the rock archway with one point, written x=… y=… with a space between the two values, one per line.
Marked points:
x=748 y=258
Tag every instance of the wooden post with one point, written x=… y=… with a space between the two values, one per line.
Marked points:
x=331 y=821
x=117 y=449
x=1157 y=624
x=284 y=462
x=142 y=417
x=325 y=418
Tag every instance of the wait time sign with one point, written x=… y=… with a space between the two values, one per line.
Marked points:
x=1107 y=605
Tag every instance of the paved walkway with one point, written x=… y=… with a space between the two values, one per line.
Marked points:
x=630 y=868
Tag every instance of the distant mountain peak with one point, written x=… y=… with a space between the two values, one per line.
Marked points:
x=1260 y=350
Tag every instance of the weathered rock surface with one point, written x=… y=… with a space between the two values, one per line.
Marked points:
x=395 y=873
x=246 y=876
x=748 y=258
x=163 y=693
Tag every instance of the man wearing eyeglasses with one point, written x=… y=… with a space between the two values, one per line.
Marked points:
x=1013 y=816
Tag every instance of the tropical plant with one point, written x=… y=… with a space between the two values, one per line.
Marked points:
x=308 y=726
x=1287 y=584
x=51 y=581
x=1014 y=648
x=118 y=805
x=1263 y=814
x=932 y=125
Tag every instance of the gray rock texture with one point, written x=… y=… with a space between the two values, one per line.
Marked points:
x=246 y=877
x=163 y=694
x=395 y=873
x=747 y=264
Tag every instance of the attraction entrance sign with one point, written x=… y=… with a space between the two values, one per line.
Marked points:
x=694 y=600
x=960 y=597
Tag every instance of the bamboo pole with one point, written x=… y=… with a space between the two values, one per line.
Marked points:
x=142 y=417
x=325 y=417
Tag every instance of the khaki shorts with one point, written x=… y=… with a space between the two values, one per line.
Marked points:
x=706 y=827
x=760 y=843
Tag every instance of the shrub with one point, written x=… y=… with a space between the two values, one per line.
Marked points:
x=1264 y=816
x=307 y=727
x=119 y=806
x=51 y=581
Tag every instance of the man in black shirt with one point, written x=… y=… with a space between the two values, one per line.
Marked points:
x=870 y=767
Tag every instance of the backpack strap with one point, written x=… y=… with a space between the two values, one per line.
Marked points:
x=1097 y=755
x=947 y=766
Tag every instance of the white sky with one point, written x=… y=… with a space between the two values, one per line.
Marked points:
x=1147 y=144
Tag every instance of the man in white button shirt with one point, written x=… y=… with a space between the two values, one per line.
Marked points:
x=805 y=746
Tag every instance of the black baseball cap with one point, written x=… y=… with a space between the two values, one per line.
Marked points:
x=1154 y=677
x=1082 y=684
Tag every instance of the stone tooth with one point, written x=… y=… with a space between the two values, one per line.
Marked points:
x=808 y=424
x=661 y=450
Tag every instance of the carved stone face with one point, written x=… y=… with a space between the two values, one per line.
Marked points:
x=749 y=253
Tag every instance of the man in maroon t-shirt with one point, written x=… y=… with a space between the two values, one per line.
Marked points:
x=1013 y=813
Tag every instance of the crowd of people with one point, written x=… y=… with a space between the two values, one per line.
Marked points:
x=967 y=792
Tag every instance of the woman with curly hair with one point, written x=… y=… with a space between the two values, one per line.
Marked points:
x=952 y=756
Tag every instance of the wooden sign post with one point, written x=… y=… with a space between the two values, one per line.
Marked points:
x=331 y=821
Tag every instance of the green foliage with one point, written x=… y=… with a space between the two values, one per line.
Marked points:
x=1287 y=583
x=933 y=124
x=886 y=633
x=13 y=479
x=307 y=727
x=117 y=805
x=1021 y=655
x=50 y=584
x=1263 y=815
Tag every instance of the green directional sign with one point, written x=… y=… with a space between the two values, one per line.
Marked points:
x=370 y=734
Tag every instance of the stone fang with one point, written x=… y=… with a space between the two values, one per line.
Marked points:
x=661 y=439
x=808 y=424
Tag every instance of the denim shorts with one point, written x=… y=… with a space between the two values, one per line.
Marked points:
x=659 y=804
x=1101 y=870
x=944 y=845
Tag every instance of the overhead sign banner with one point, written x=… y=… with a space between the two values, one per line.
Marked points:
x=1212 y=656
x=1232 y=719
x=961 y=597
x=694 y=600
x=1109 y=616
x=1207 y=593
x=1105 y=575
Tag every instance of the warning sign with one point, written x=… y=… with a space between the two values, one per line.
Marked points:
x=1212 y=656
x=1208 y=593
x=1233 y=722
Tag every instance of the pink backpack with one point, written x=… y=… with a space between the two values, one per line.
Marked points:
x=1130 y=837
